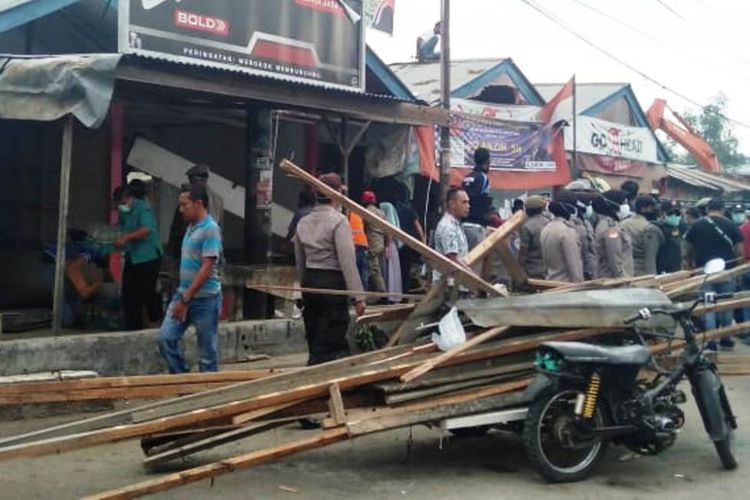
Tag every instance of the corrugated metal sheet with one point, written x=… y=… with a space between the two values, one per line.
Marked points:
x=587 y=94
x=270 y=79
x=423 y=79
x=704 y=180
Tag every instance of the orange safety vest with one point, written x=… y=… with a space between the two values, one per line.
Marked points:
x=358 y=230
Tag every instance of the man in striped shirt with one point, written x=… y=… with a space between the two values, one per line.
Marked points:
x=198 y=299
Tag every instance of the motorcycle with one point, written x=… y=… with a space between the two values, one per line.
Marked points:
x=587 y=396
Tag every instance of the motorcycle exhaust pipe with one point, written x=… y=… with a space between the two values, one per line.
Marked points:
x=665 y=424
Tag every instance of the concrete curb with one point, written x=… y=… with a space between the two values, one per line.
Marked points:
x=136 y=353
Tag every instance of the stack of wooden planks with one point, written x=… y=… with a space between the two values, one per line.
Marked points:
x=407 y=383
x=134 y=387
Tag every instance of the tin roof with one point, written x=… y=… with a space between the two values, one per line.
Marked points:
x=587 y=94
x=698 y=178
x=468 y=77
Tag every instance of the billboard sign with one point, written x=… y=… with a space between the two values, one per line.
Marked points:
x=310 y=41
x=514 y=146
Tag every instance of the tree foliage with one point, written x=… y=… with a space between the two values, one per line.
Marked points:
x=716 y=129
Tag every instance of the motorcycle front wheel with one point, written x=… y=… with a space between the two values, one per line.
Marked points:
x=554 y=444
x=717 y=415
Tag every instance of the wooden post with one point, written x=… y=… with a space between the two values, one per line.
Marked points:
x=66 y=160
x=445 y=84
x=258 y=142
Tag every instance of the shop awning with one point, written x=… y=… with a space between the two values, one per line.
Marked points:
x=704 y=180
x=49 y=87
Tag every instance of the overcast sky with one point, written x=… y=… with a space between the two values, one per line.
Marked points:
x=697 y=48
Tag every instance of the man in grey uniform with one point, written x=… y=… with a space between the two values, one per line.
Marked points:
x=530 y=254
x=613 y=245
x=645 y=235
x=561 y=246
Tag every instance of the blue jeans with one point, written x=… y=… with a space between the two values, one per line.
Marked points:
x=203 y=313
x=724 y=318
x=363 y=266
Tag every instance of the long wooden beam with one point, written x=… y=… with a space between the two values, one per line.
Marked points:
x=443 y=263
x=149 y=381
x=305 y=387
x=483 y=400
x=431 y=303
x=170 y=481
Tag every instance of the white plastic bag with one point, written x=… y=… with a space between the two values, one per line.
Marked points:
x=452 y=332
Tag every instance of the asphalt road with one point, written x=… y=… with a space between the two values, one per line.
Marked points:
x=377 y=467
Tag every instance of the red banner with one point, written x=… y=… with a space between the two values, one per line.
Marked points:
x=610 y=165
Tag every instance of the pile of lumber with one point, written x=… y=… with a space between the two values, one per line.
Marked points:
x=410 y=382
x=114 y=388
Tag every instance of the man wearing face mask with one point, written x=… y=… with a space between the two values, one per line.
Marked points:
x=142 y=251
x=670 y=256
x=645 y=235
x=581 y=214
x=613 y=245
x=561 y=247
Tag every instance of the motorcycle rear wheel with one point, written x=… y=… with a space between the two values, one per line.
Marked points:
x=547 y=420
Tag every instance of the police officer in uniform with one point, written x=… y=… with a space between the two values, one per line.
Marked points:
x=581 y=214
x=644 y=234
x=325 y=258
x=613 y=245
x=530 y=253
x=669 y=259
x=561 y=246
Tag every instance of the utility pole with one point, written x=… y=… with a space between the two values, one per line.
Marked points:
x=445 y=83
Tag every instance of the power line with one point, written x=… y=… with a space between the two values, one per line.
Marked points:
x=700 y=31
x=670 y=9
x=654 y=38
x=617 y=59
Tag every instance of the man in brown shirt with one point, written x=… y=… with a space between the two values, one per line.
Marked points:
x=378 y=243
x=325 y=258
x=561 y=247
x=530 y=254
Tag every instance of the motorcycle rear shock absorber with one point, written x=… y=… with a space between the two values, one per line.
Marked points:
x=587 y=409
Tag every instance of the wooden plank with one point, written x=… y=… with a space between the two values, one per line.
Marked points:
x=203 y=414
x=258 y=457
x=243 y=418
x=407 y=396
x=138 y=381
x=336 y=404
x=441 y=408
x=723 y=305
x=463 y=273
x=430 y=304
x=406 y=332
x=107 y=394
x=201 y=400
x=717 y=334
x=211 y=442
x=326 y=291
x=446 y=356
x=400 y=312
x=696 y=283
x=479 y=252
x=516 y=272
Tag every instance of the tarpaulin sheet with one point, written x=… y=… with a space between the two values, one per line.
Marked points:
x=48 y=88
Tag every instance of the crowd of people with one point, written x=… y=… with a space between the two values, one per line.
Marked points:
x=583 y=235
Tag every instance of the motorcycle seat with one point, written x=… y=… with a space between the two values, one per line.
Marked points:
x=581 y=352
